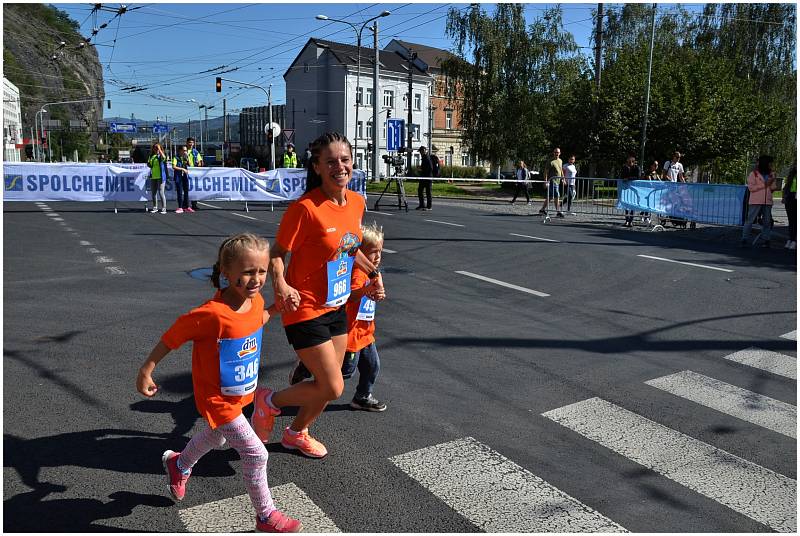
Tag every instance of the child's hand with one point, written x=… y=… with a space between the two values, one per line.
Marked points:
x=286 y=298
x=145 y=384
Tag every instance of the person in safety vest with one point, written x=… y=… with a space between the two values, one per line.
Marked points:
x=195 y=158
x=290 y=157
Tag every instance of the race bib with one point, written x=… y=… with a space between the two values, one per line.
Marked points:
x=339 y=273
x=366 y=310
x=238 y=364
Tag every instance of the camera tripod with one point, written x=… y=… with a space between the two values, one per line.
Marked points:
x=401 y=189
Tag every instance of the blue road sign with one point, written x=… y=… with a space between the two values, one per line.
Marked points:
x=127 y=128
x=394 y=134
x=160 y=128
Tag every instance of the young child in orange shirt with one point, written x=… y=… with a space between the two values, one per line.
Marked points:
x=361 y=350
x=226 y=335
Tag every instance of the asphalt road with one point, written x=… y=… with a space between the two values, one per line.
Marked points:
x=515 y=358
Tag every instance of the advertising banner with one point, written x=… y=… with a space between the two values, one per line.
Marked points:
x=720 y=204
x=111 y=182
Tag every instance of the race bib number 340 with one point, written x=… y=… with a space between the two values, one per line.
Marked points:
x=238 y=364
x=339 y=273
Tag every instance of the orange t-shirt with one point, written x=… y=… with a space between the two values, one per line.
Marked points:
x=205 y=326
x=316 y=230
x=360 y=333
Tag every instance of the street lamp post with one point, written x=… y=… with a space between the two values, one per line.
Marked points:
x=41 y=122
x=268 y=93
x=358 y=70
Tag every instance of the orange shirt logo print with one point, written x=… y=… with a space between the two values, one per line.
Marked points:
x=347 y=245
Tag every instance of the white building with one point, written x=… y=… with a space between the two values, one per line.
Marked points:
x=321 y=95
x=12 y=122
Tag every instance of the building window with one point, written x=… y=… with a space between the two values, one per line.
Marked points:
x=359 y=95
x=448 y=120
x=417 y=160
x=369 y=130
x=384 y=130
x=360 y=130
x=465 y=159
x=388 y=98
x=368 y=102
x=416 y=130
x=418 y=101
x=359 y=160
x=448 y=159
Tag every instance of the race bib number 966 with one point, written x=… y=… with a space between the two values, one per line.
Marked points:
x=339 y=273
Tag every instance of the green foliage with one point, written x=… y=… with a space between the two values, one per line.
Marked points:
x=723 y=88
x=52 y=16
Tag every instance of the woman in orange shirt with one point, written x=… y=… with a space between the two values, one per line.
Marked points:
x=226 y=335
x=322 y=231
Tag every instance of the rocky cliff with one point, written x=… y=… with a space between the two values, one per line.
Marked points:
x=45 y=70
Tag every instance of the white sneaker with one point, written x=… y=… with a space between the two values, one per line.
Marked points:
x=153 y=210
x=793 y=245
x=163 y=211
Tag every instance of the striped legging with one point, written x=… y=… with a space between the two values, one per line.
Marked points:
x=239 y=435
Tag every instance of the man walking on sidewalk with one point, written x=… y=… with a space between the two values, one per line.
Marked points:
x=424 y=188
x=555 y=176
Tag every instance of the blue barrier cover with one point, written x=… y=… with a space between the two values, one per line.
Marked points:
x=721 y=204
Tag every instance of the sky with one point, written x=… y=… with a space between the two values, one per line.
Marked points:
x=166 y=47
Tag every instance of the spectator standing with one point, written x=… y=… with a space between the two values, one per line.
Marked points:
x=290 y=157
x=789 y=200
x=522 y=176
x=555 y=175
x=158 y=177
x=652 y=173
x=307 y=157
x=424 y=188
x=570 y=172
x=761 y=184
x=673 y=169
x=180 y=173
x=630 y=171
x=195 y=160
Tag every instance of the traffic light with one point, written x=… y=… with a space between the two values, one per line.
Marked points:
x=219 y=84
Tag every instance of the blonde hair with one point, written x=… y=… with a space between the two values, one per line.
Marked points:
x=372 y=234
x=232 y=248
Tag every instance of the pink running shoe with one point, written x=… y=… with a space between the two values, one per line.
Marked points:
x=179 y=210
x=189 y=209
x=263 y=418
x=278 y=522
x=304 y=443
x=177 y=480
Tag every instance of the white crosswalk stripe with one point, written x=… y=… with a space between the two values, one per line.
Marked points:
x=759 y=493
x=237 y=514
x=783 y=365
x=731 y=400
x=495 y=494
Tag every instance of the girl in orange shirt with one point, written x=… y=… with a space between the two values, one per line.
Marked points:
x=322 y=230
x=226 y=335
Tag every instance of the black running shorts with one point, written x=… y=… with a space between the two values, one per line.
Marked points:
x=317 y=330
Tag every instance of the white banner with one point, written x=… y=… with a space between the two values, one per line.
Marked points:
x=110 y=182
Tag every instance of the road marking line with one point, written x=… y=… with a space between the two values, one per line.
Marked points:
x=763 y=495
x=69 y=229
x=85 y=243
x=93 y=250
x=237 y=514
x=792 y=335
x=243 y=216
x=503 y=284
x=104 y=259
x=207 y=205
x=734 y=401
x=534 y=237
x=116 y=270
x=387 y=250
x=496 y=494
x=781 y=364
x=51 y=214
x=686 y=263
x=446 y=223
x=376 y=212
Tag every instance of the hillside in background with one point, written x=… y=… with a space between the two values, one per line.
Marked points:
x=45 y=70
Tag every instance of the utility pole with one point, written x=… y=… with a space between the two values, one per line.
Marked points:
x=272 y=137
x=224 y=128
x=649 y=75
x=409 y=151
x=376 y=137
x=598 y=70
